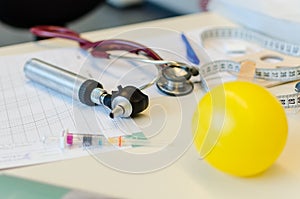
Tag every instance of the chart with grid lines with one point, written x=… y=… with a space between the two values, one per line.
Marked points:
x=29 y=113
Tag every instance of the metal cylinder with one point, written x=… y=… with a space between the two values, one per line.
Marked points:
x=53 y=77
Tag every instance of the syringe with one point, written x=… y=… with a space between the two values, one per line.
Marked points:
x=68 y=140
x=125 y=102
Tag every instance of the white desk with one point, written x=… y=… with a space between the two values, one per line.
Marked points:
x=188 y=177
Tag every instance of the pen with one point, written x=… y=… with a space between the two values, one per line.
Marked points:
x=191 y=55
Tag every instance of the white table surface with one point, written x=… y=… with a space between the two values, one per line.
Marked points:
x=189 y=176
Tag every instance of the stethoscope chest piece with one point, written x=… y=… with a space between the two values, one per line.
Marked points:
x=174 y=81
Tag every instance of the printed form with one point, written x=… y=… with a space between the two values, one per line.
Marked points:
x=31 y=114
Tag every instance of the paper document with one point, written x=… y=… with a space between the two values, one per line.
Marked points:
x=31 y=113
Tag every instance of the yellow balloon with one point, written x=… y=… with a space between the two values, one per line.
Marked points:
x=240 y=128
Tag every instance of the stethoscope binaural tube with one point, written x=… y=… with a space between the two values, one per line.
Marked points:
x=169 y=80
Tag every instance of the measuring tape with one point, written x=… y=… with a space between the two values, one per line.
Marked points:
x=255 y=37
x=285 y=74
x=282 y=74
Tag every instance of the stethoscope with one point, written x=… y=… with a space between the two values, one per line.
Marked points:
x=173 y=77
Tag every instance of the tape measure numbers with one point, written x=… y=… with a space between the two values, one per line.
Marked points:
x=283 y=74
x=255 y=37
